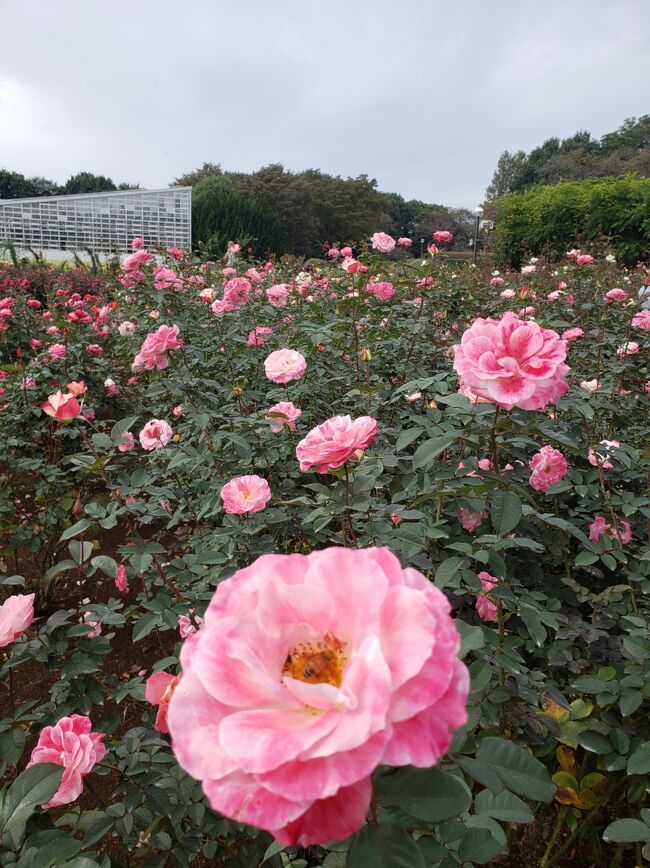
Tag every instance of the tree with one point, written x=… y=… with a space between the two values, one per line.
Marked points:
x=189 y=179
x=86 y=182
x=13 y=185
x=507 y=174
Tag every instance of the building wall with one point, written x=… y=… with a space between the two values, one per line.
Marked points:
x=102 y=222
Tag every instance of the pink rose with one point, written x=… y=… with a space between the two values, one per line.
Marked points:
x=156 y=434
x=178 y=411
x=126 y=328
x=604 y=453
x=330 y=445
x=548 y=466
x=486 y=609
x=137 y=243
x=381 y=289
x=281 y=366
x=77 y=388
x=616 y=294
x=469 y=519
x=187 y=625
x=631 y=348
x=62 y=406
x=497 y=281
x=584 y=259
x=257 y=336
x=57 y=351
x=175 y=253
x=507 y=293
x=245 y=494
x=309 y=672
x=641 y=320
x=277 y=295
x=600 y=527
x=333 y=253
x=442 y=236
x=284 y=413
x=127 y=442
x=95 y=350
x=159 y=691
x=134 y=261
x=236 y=292
x=404 y=242
x=111 y=387
x=69 y=743
x=382 y=242
x=572 y=334
x=153 y=352
x=512 y=362
x=591 y=385
x=346 y=251
x=121 y=580
x=16 y=614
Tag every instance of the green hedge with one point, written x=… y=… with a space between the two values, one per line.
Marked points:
x=607 y=212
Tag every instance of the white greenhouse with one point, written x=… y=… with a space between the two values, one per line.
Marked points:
x=104 y=223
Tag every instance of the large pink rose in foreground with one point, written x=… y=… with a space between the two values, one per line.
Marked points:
x=308 y=673
x=330 y=445
x=512 y=362
x=16 y=614
x=71 y=744
x=281 y=366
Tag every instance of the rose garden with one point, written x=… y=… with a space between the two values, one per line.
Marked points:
x=332 y=563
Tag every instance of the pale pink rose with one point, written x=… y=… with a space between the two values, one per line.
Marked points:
x=413 y=397
x=111 y=387
x=333 y=253
x=121 y=580
x=470 y=520
x=153 y=352
x=69 y=743
x=404 y=242
x=52 y=330
x=245 y=494
x=127 y=442
x=605 y=451
x=507 y=293
x=57 y=351
x=281 y=366
x=573 y=253
x=562 y=285
x=330 y=445
x=16 y=614
x=382 y=242
x=284 y=413
x=156 y=434
x=442 y=236
x=126 y=328
x=137 y=243
x=381 y=289
x=257 y=336
x=277 y=295
x=584 y=259
x=641 y=320
x=154 y=314
x=254 y=275
x=497 y=281
x=526 y=311
x=187 y=626
x=512 y=362
x=229 y=271
x=432 y=249
x=631 y=348
x=548 y=466
x=591 y=385
x=309 y=672
x=554 y=296
x=600 y=527
x=233 y=247
x=208 y=294
x=616 y=294
x=486 y=609
x=62 y=406
x=178 y=410
x=572 y=334
x=77 y=388
x=159 y=691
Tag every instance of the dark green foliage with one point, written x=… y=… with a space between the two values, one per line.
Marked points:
x=551 y=218
x=86 y=182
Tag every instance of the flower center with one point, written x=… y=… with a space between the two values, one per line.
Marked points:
x=319 y=662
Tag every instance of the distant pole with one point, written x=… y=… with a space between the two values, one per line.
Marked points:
x=478 y=213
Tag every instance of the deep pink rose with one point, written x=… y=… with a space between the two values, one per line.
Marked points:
x=155 y=435
x=309 y=672
x=512 y=362
x=16 y=614
x=57 y=351
x=382 y=242
x=62 y=406
x=584 y=259
x=548 y=466
x=153 y=352
x=121 y=580
x=281 y=366
x=330 y=445
x=442 y=236
x=134 y=261
x=245 y=494
x=486 y=609
x=71 y=744
x=281 y=414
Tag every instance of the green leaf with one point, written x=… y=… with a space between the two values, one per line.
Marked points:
x=120 y=427
x=384 y=846
x=33 y=787
x=479 y=846
x=594 y=742
x=504 y=806
x=105 y=564
x=531 y=619
x=505 y=511
x=447 y=570
x=79 y=527
x=430 y=449
x=431 y=795
x=471 y=637
x=627 y=831
x=144 y=626
x=639 y=761
x=519 y=770
x=407 y=436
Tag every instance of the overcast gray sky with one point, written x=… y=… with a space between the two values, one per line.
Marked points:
x=421 y=95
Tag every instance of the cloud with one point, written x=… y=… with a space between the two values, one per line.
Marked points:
x=422 y=96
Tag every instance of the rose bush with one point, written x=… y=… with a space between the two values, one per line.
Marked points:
x=479 y=429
